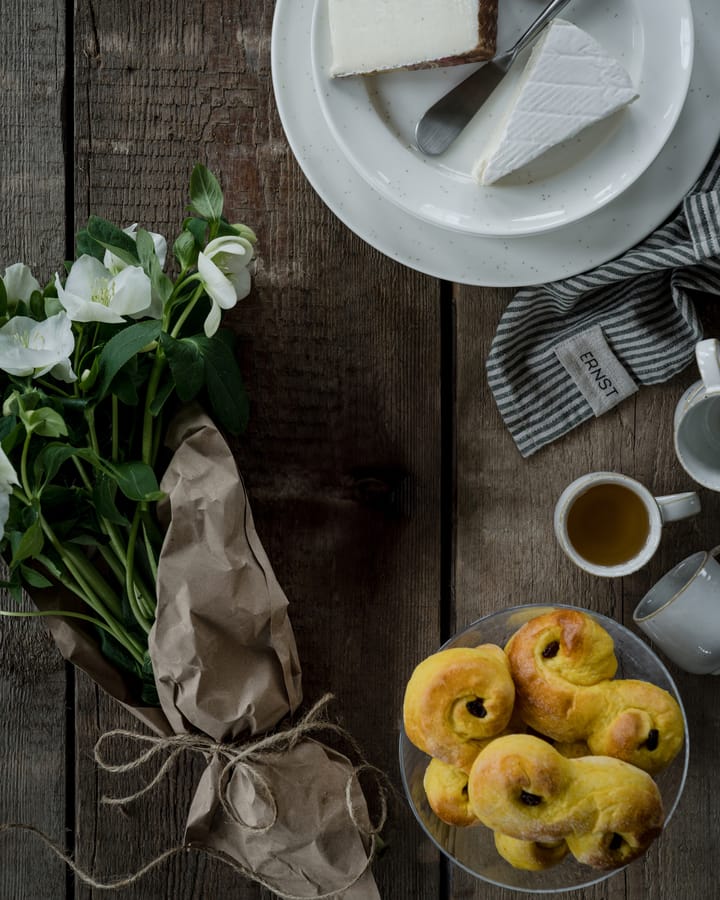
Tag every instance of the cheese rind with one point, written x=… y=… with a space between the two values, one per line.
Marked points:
x=569 y=83
x=376 y=35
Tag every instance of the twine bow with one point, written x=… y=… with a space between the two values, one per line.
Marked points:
x=237 y=757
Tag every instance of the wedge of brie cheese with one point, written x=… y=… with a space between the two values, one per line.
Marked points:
x=569 y=83
x=374 y=35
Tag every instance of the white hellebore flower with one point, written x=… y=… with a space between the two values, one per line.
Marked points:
x=114 y=264
x=34 y=348
x=93 y=294
x=223 y=268
x=8 y=477
x=19 y=283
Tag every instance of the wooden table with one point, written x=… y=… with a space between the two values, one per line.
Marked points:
x=390 y=497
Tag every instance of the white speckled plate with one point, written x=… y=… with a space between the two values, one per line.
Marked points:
x=467 y=258
x=373 y=119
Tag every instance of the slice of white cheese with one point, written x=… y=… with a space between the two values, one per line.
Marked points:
x=569 y=83
x=375 y=35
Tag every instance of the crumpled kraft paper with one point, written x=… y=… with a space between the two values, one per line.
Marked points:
x=222 y=646
x=226 y=665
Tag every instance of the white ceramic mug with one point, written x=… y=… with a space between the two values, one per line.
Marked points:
x=681 y=613
x=697 y=420
x=659 y=510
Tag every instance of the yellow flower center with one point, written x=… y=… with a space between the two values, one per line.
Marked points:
x=103 y=292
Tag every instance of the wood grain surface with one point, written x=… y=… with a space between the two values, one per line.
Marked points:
x=32 y=224
x=386 y=490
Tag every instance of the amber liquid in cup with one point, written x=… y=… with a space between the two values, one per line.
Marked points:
x=608 y=524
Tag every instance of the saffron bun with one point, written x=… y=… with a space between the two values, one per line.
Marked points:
x=606 y=810
x=563 y=665
x=533 y=856
x=447 y=793
x=458 y=699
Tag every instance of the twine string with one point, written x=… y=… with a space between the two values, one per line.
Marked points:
x=236 y=757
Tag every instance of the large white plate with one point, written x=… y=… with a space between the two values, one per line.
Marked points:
x=373 y=120
x=467 y=258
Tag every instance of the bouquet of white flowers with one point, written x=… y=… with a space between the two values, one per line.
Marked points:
x=91 y=365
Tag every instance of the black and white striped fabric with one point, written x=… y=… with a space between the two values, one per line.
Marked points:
x=641 y=301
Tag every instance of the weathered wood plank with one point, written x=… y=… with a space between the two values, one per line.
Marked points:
x=341 y=352
x=506 y=553
x=32 y=674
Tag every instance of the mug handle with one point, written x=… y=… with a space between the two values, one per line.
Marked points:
x=678 y=506
x=706 y=354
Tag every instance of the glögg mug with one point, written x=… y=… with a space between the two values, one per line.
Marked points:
x=610 y=525
x=681 y=613
x=697 y=420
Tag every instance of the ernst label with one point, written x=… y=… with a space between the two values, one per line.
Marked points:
x=597 y=372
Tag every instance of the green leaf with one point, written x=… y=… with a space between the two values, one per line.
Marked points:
x=161 y=397
x=104 y=499
x=113 y=239
x=11 y=439
x=197 y=228
x=52 y=307
x=30 y=544
x=3 y=299
x=225 y=387
x=121 y=348
x=50 y=564
x=206 y=196
x=136 y=480
x=33 y=578
x=124 y=387
x=50 y=459
x=186 y=250
x=37 y=306
x=88 y=246
x=187 y=364
x=44 y=422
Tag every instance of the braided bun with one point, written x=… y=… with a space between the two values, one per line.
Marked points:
x=607 y=811
x=562 y=664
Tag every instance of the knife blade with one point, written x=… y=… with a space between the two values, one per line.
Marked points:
x=444 y=121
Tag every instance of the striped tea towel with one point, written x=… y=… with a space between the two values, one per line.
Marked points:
x=569 y=350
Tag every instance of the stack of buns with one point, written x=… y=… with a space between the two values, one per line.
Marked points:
x=542 y=744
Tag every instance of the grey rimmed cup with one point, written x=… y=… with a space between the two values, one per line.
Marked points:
x=681 y=613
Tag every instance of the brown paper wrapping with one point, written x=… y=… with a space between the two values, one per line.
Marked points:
x=226 y=665
x=222 y=646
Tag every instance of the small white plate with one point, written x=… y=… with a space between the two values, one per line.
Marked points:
x=465 y=258
x=373 y=120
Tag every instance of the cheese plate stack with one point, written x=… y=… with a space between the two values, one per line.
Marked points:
x=578 y=118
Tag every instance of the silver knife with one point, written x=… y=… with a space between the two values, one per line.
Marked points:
x=444 y=121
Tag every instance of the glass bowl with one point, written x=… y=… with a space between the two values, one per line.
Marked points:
x=473 y=848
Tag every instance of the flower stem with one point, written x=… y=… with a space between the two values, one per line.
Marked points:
x=134 y=598
x=153 y=382
x=186 y=312
x=23 y=465
x=114 y=451
x=59 y=612
x=87 y=577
